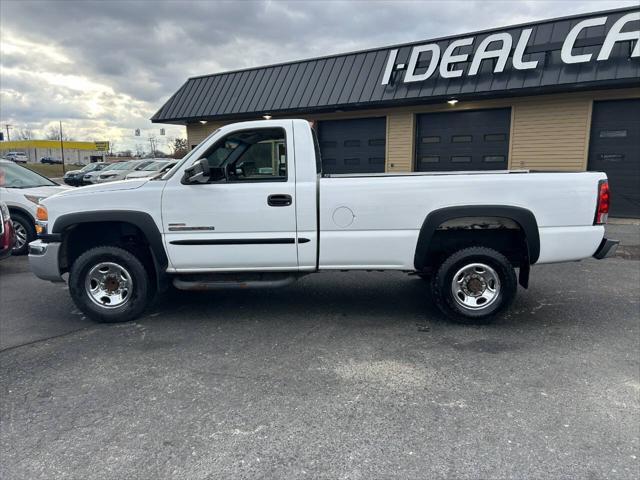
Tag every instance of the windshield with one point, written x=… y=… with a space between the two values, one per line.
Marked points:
x=15 y=176
x=155 y=166
x=91 y=167
x=122 y=166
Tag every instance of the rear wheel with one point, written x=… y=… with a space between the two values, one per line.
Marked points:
x=109 y=284
x=474 y=285
x=25 y=233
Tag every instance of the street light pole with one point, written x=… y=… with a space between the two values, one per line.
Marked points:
x=62 y=148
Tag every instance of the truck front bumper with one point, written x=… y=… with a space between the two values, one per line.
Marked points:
x=43 y=260
x=606 y=249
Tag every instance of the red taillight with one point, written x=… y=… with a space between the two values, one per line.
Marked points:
x=602 y=209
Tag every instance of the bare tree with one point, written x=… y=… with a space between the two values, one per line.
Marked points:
x=179 y=147
x=53 y=133
x=24 y=134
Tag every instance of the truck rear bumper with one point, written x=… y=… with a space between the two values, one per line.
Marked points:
x=43 y=260
x=606 y=249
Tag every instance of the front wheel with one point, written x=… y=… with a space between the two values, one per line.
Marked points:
x=109 y=284
x=25 y=233
x=474 y=285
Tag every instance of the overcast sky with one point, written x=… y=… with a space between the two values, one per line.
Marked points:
x=104 y=68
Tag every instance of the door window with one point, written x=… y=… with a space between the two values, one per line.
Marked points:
x=251 y=155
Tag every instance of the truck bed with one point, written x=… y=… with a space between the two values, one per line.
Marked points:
x=373 y=220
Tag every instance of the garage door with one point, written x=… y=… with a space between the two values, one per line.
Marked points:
x=615 y=149
x=352 y=146
x=474 y=140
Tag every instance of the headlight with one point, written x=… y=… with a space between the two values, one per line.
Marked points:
x=42 y=217
x=34 y=199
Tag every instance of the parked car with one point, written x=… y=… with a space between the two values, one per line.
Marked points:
x=51 y=160
x=122 y=170
x=7 y=234
x=75 y=178
x=17 y=157
x=157 y=167
x=249 y=206
x=92 y=177
x=21 y=189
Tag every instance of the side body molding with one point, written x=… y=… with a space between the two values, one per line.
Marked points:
x=521 y=216
x=139 y=219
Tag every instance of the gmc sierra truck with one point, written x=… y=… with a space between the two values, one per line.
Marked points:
x=250 y=207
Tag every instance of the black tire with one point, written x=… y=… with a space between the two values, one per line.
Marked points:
x=141 y=294
x=26 y=226
x=443 y=280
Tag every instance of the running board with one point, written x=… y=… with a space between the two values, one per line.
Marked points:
x=226 y=281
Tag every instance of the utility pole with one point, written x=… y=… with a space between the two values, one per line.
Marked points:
x=62 y=148
x=7 y=126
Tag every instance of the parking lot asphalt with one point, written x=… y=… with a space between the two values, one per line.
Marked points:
x=342 y=376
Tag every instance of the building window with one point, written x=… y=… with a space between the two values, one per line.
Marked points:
x=493 y=158
x=495 y=137
x=434 y=139
x=613 y=133
x=461 y=138
x=430 y=159
x=611 y=157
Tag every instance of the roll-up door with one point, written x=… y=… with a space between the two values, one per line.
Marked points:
x=471 y=140
x=353 y=146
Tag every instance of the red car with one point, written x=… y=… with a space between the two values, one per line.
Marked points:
x=7 y=234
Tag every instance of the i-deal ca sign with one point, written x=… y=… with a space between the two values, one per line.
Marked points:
x=498 y=47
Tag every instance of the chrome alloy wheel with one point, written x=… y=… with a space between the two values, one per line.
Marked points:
x=21 y=235
x=108 y=285
x=475 y=286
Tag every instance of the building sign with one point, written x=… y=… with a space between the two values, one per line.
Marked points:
x=425 y=60
x=102 y=146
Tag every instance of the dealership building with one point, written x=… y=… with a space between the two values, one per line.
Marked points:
x=77 y=153
x=555 y=95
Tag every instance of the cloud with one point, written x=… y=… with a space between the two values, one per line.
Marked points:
x=105 y=67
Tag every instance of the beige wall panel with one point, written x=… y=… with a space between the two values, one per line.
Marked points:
x=400 y=140
x=550 y=134
x=197 y=132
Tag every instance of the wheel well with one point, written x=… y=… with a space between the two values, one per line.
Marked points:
x=79 y=238
x=499 y=233
x=20 y=211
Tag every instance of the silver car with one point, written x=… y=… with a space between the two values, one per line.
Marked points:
x=120 y=170
x=158 y=167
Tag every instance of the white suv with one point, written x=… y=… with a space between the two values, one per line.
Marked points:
x=17 y=157
x=21 y=189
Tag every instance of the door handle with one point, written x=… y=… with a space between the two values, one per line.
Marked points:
x=279 y=200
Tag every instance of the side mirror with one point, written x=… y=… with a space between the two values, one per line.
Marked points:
x=200 y=172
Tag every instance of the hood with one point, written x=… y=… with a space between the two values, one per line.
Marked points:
x=72 y=172
x=43 y=191
x=142 y=174
x=105 y=187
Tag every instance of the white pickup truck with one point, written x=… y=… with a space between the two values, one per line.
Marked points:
x=250 y=207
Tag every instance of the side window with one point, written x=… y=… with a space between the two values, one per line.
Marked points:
x=252 y=155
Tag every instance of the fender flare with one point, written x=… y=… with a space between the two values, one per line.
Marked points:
x=523 y=217
x=141 y=220
x=21 y=211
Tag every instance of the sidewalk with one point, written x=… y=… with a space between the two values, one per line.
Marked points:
x=627 y=230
